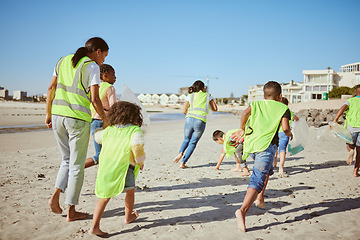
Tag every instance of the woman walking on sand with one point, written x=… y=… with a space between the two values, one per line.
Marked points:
x=74 y=86
x=196 y=109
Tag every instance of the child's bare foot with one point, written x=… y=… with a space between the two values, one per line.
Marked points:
x=182 y=165
x=55 y=206
x=97 y=232
x=349 y=159
x=178 y=157
x=259 y=204
x=236 y=170
x=73 y=216
x=356 y=172
x=241 y=220
x=217 y=168
x=134 y=215
x=244 y=174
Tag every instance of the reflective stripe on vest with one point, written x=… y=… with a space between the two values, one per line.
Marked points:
x=353 y=113
x=71 y=98
x=262 y=125
x=203 y=111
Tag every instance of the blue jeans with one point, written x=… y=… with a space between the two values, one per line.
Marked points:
x=356 y=138
x=72 y=136
x=193 y=131
x=283 y=141
x=263 y=166
x=96 y=124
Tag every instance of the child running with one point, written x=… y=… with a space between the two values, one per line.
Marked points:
x=352 y=123
x=262 y=120
x=283 y=142
x=121 y=157
x=108 y=98
x=230 y=148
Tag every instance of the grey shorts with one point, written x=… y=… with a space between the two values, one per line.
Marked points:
x=130 y=180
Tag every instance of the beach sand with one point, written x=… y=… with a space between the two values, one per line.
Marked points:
x=319 y=200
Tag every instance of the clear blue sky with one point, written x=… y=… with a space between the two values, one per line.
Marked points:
x=160 y=46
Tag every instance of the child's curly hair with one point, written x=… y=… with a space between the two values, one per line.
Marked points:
x=105 y=68
x=123 y=112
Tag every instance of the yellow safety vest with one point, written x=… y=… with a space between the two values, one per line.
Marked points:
x=103 y=87
x=353 y=113
x=114 y=160
x=199 y=105
x=262 y=125
x=71 y=98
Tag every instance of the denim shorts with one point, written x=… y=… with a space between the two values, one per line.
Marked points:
x=283 y=141
x=356 y=138
x=263 y=166
x=130 y=180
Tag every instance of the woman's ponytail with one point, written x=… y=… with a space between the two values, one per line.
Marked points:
x=80 y=53
x=196 y=87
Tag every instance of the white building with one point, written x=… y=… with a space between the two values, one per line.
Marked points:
x=164 y=99
x=318 y=82
x=20 y=95
x=349 y=75
x=173 y=99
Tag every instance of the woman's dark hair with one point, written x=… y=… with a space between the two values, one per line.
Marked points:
x=105 y=68
x=123 y=112
x=92 y=45
x=196 y=87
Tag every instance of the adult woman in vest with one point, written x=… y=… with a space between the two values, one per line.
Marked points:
x=196 y=109
x=74 y=86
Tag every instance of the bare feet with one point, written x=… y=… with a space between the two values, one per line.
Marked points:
x=178 y=157
x=356 y=172
x=55 y=206
x=241 y=220
x=350 y=157
x=236 y=170
x=73 y=215
x=134 y=215
x=97 y=232
x=182 y=165
x=259 y=204
x=244 y=174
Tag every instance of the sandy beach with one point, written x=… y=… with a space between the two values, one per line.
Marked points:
x=319 y=200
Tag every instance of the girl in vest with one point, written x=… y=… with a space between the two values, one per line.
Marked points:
x=121 y=157
x=283 y=142
x=74 y=86
x=196 y=108
x=108 y=98
x=352 y=123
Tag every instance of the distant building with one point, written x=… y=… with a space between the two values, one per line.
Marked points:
x=20 y=95
x=183 y=90
x=315 y=84
x=4 y=93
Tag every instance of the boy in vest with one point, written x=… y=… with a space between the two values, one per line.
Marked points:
x=230 y=148
x=259 y=125
x=352 y=123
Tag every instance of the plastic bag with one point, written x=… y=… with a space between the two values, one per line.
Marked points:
x=300 y=131
x=341 y=132
x=129 y=96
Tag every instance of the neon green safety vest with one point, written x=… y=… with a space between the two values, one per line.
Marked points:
x=114 y=160
x=71 y=98
x=262 y=125
x=229 y=150
x=290 y=121
x=199 y=105
x=103 y=87
x=353 y=113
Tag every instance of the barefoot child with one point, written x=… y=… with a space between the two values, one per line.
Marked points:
x=352 y=123
x=108 y=98
x=283 y=142
x=260 y=124
x=121 y=157
x=229 y=149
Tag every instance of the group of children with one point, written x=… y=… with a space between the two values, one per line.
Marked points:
x=264 y=127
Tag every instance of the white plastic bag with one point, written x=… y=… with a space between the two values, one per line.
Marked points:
x=341 y=132
x=129 y=96
x=300 y=131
